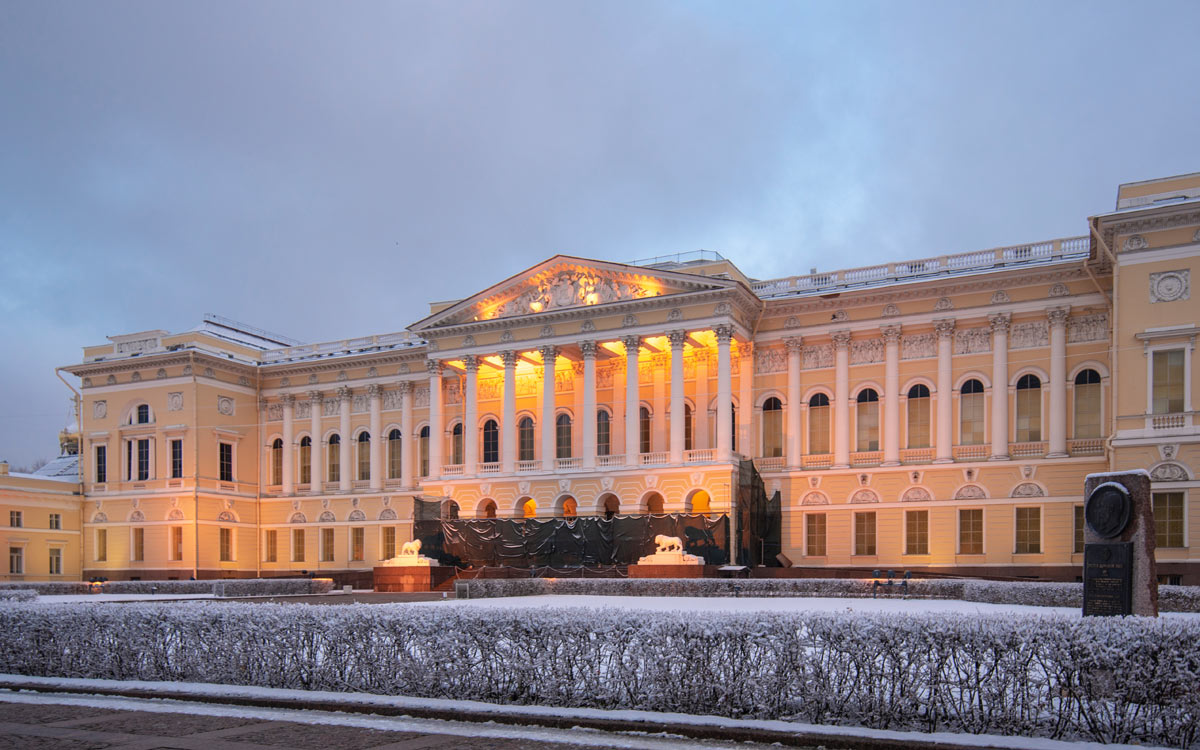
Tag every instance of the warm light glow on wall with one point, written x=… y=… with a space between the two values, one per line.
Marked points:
x=661 y=343
x=616 y=347
x=706 y=338
x=536 y=306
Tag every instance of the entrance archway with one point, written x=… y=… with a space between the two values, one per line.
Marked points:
x=653 y=503
x=527 y=508
x=487 y=508
x=699 y=502
x=567 y=507
x=609 y=505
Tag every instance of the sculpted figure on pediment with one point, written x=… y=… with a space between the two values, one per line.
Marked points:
x=570 y=289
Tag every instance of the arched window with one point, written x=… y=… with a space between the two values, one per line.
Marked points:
x=277 y=462
x=489 y=509
x=772 y=428
x=334 y=456
x=612 y=506
x=456 y=444
x=970 y=413
x=688 y=421
x=1087 y=404
x=867 y=420
x=395 y=456
x=603 y=433
x=529 y=508
x=1029 y=409
x=364 y=456
x=305 y=460
x=449 y=510
x=143 y=414
x=654 y=503
x=423 y=449
x=918 y=416
x=491 y=442
x=644 y=423
x=570 y=508
x=818 y=424
x=525 y=439
x=562 y=436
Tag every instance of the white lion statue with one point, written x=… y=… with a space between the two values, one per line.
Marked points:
x=410 y=549
x=668 y=543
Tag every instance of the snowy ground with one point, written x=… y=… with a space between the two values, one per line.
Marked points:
x=58 y=598
x=768 y=604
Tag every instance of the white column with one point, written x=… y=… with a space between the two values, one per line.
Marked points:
x=289 y=444
x=632 y=400
x=1058 y=381
x=508 y=440
x=471 y=416
x=1000 y=324
x=589 y=403
x=841 y=400
x=700 y=415
x=746 y=437
x=944 y=441
x=724 y=396
x=437 y=438
x=659 y=431
x=677 y=406
x=375 y=396
x=345 y=455
x=408 y=438
x=794 y=349
x=891 y=396
x=316 y=451
x=549 y=359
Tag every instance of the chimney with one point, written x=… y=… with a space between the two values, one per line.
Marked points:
x=3 y=468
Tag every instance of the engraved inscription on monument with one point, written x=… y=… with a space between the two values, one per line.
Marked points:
x=1108 y=578
x=1118 y=545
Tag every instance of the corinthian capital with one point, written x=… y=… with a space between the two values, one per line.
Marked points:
x=406 y=387
x=632 y=343
x=374 y=391
x=724 y=334
x=588 y=348
x=944 y=327
x=288 y=399
x=434 y=366
x=891 y=334
x=316 y=396
x=1000 y=322
x=841 y=339
x=677 y=339
x=794 y=344
x=471 y=363
x=1058 y=315
x=343 y=393
x=509 y=358
x=549 y=354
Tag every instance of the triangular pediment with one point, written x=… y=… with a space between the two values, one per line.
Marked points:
x=564 y=282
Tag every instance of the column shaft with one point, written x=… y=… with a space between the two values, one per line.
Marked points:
x=437 y=437
x=632 y=401
x=1058 y=381
x=289 y=444
x=508 y=441
x=471 y=417
x=1000 y=324
x=408 y=438
x=316 y=449
x=549 y=359
x=589 y=403
x=944 y=441
x=841 y=400
x=891 y=396
x=345 y=456
x=793 y=402
x=724 y=426
x=677 y=406
x=375 y=394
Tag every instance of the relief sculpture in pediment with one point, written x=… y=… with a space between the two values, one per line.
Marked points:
x=570 y=289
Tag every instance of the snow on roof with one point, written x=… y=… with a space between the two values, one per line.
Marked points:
x=244 y=334
x=64 y=468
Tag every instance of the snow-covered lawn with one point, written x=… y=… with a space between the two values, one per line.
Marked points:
x=795 y=605
x=61 y=598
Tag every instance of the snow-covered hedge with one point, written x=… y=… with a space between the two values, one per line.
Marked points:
x=228 y=587
x=1044 y=594
x=17 y=595
x=1127 y=680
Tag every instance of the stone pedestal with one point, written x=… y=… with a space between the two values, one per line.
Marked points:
x=411 y=578
x=671 y=558
x=1119 y=576
x=669 y=571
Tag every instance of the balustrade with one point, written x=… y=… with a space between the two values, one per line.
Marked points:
x=1027 y=450
x=1086 y=447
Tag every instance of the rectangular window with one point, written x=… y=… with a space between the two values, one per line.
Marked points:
x=101 y=545
x=297 y=545
x=864 y=533
x=1087 y=410
x=270 y=546
x=970 y=407
x=1029 y=415
x=818 y=430
x=101 y=464
x=137 y=545
x=524 y=440
x=175 y=552
x=364 y=458
x=970 y=531
x=395 y=456
x=868 y=426
x=176 y=459
x=918 y=421
x=1168 y=519
x=916 y=532
x=225 y=452
x=562 y=436
x=143 y=459
x=305 y=461
x=55 y=521
x=1078 y=527
x=334 y=470
x=357 y=543
x=645 y=422
x=1167 y=395
x=1029 y=531
x=15 y=519
x=226 y=538
x=389 y=543
x=772 y=430
x=55 y=561
x=603 y=434
x=814 y=534
x=326 y=545
x=16 y=560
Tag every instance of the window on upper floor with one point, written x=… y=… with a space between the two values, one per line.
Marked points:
x=15 y=519
x=101 y=472
x=772 y=428
x=1087 y=404
x=334 y=459
x=176 y=459
x=970 y=413
x=1168 y=381
x=688 y=424
x=141 y=415
x=491 y=442
x=55 y=521
x=423 y=449
x=525 y=439
x=305 y=460
x=818 y=424
x=867 y=420
x=645 y=423
x=456 y=444
x=603 y=433
x=364 y=456
x=918 y=416
x=225 y=461
x=137 y=460
x=562 y=436
x=277 y=462
x=1029 y=409
x=395 y=456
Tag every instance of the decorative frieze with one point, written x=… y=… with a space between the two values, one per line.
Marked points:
x=1029 y=335
x=421 y=396
x=361 y=404
x=972 y=340
x=918 y=346
x=817 y=357
x=866 y=351
x=1084 y=328
x=274 y=412
x=768 y=361
x=303 y=409
x=391 y=400
x=330 y=406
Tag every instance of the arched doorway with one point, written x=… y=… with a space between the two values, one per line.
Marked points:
x=487 y=508
x=567 y=507
x=449 y=510
x=653 y=503
x=699 y=502
x=610 y=506
x=527 y=508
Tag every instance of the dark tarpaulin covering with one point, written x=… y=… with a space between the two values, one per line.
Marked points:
x=564 y=542
x=760 y=526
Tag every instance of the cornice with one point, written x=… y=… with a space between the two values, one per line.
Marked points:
x=1133 y=224
x=162 y=359
x=281 y=369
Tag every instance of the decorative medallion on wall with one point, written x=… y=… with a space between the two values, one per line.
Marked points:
x=135 y=502
x=1169 y=472
x=1027 y=489
x=342 y=376
x=944 y=303
x=161 y=374
x=208 y=372
x=354 y=502
x=229 y=501
x=815 y=498
x=135 y=377
x=523 y=488
x=651 y=480
x=697 y=477
x=244 y=381
x=387 y=500
x=814 y=481
x=890 y=311
x=324 y=502
x=356 y=515
x=547 y=331
x=431 y=346
x=99 y=409
x=970 y=492
x=864 y=480
x=112 y=380
x=313 y=380
x=1027 y=471
x=587 y=326
x=374 y=373
x=1168 y=451
x=1000 y=296
x=864 y=496
x=506 y=337
x=724 y=308
x=606 y=483
x=387 y=514
x=297 y=518
x=629 y=321
x=564 y=485
x=839 y=316
x=675 y=314
x=1135 y=242
x=327 y=517
x=791 y=322
x=1059 y=290
x=295 y=505
x=225 y=406
x=87 y=382
x=916 y=495
x=1170 y=286
x=915 y=476
x=187 y=369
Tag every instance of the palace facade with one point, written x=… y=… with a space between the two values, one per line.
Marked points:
x=937 y=414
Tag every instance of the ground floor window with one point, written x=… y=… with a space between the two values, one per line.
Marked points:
x=814 y=534
x=16 y=560
x=270 y=546
x=326 y=545
x=1078 y=527
x=101 y=545
x=1168 y=519
x=137 y=551
x=864 y=533
x=357 y=543
x=226 y=539
x=175 y=551
x=970 y=531
x=297 y=545
x=1029 y=531
x=55 y=561
x=916 y=532
x=389 y=543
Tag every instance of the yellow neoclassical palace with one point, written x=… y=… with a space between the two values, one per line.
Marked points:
x=933 y=414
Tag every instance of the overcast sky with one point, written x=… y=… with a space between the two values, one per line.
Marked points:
x=325 y=170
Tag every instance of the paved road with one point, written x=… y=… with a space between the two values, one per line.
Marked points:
x=63 y=722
